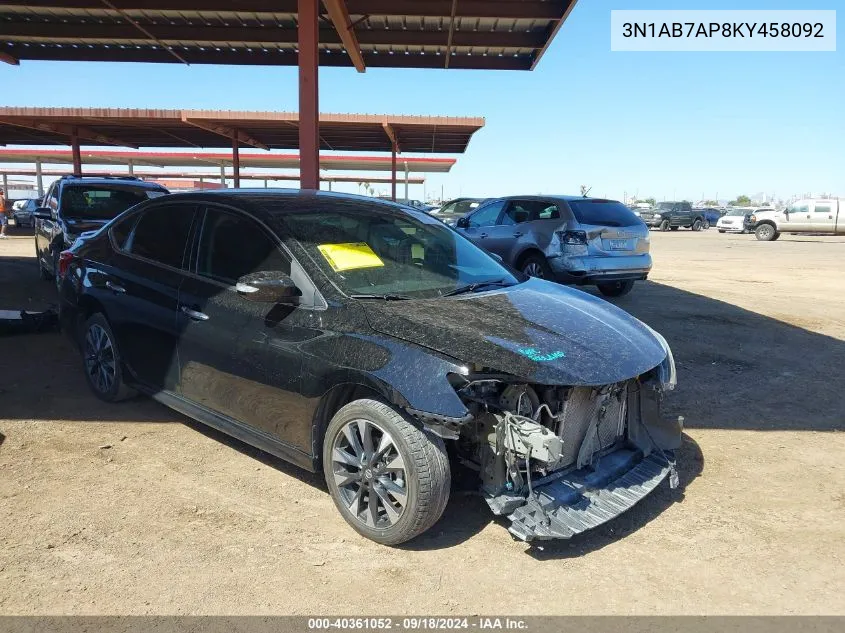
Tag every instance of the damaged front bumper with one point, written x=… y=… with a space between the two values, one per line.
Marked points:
x=565 y=505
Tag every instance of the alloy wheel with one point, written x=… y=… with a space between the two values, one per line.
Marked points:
x=766 y=232
x=100 y=358
x=370 y=474
x=533 y=269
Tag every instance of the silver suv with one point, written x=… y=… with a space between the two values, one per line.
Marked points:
x=570 y=239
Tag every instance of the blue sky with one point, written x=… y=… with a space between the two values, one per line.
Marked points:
x=662 y=124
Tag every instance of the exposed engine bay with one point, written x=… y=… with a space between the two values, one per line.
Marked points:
x=542 y=450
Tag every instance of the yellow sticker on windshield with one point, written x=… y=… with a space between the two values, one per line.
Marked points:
x=350 y=256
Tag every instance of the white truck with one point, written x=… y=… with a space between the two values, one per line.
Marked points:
x=811 y=215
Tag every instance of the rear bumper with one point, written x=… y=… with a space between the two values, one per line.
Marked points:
x=584 y=499
x=595 y=270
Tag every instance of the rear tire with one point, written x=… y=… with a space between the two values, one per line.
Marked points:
x=372 y=449
x=536 y=266
x=766 y=233
x=696 y=226
x=664 y=226
x=616 y=288
x=721 y=230
x=102 y=362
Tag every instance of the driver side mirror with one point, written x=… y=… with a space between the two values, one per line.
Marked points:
x=43 y=213
x=462 y=223
x=268 y=287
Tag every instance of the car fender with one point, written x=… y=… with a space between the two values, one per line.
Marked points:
x=407 y=375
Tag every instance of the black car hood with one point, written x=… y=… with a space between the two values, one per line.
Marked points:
x=538 y=331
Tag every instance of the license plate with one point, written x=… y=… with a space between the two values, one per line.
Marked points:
x=618 y=245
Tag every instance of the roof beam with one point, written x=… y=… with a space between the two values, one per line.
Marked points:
x=343 y=25
x=66 y=130
x=521 y=9
x=524 y=9
x=552 y=32
x=257 y=35
x=8 y=59
x=144 y=31
x=225 y=131
x=391 y=134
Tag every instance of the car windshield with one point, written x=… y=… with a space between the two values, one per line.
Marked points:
x=737 y=212
x=100 y=202
x=665 y=206
x=603 y=213
x=389 y=254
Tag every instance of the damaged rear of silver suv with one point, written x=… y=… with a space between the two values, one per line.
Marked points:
x=560 y=460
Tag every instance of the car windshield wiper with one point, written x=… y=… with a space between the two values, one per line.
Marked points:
x=384 y=297
x=476 y=286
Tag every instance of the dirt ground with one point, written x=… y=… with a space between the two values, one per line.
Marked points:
x=132 y=509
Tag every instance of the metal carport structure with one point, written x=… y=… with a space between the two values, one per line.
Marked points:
x=213 y=129
x=480 y=34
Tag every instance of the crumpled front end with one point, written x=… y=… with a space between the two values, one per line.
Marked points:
x=559 y=460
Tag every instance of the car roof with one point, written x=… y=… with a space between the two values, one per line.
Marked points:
x=105 y=182
x=288 y=201
x=553 y=198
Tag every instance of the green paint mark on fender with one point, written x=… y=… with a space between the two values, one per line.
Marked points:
x=538 y=356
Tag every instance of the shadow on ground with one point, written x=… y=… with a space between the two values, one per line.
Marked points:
x=738 y=369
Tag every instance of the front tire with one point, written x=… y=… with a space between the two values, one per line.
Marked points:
x=102 y=361
x=696 y=226
x=766 y=233
x=388 y=478
x=664 y=226
x=616 y=288
x=721 y=230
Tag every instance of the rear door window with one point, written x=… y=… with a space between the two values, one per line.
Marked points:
x=603 y=212
x=232 y=245
x=161 y=234
x=487 y=215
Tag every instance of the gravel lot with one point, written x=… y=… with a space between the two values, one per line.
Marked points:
x=132 y=509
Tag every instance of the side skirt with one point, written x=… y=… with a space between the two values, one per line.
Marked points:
x=238 y=430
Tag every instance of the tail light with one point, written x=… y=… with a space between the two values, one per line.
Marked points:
x=65 y=258
x=573 y=238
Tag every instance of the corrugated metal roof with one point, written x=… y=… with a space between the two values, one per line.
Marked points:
x=494 y=34
x=216 y=129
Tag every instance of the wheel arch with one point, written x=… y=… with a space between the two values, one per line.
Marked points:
x=335 y=399
x=525 y=253
x=86 y=307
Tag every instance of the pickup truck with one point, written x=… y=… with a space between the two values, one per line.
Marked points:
x=811 y=215
x=673 y=215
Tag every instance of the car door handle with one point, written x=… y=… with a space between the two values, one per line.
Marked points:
x=482 y=235
x=196 y=315
x=115 y=288
x=517 y=233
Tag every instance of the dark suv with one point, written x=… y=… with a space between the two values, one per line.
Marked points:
x=674 y=215
x=361 y=338
x=75 y=204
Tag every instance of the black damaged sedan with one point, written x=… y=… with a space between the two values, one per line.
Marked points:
x=374 y=343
